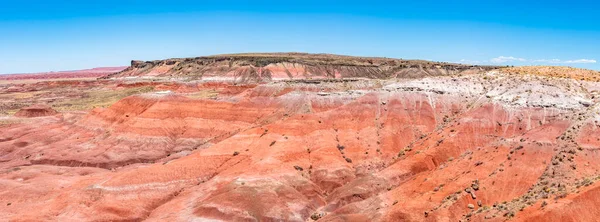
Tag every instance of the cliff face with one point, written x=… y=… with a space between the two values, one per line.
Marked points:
x=276 y=66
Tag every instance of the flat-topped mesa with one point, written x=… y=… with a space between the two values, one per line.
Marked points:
x=264 y=67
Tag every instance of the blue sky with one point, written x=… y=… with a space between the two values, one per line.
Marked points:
x=65 y=35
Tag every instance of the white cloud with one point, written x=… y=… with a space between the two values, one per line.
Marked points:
x=580 y=61
x=512 y=59
x=546 y=61
x=504 y=59
x=466 y=61
x=558 y=61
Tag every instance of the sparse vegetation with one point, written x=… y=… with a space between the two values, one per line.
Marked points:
x=99 y=98
x=556 y=71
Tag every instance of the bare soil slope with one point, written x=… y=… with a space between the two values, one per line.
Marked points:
x=556 y=71
x=493 y=146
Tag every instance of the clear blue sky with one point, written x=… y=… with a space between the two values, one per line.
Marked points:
x=53 y=35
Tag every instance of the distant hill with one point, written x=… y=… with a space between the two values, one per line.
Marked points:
x=85 y=73
x=556 y=71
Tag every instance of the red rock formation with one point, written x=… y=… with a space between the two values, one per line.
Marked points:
x=36 y=111
x=478 y=147
x=276 y=66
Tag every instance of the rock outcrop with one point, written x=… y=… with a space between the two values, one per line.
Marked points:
x=37 y=110
x=277 y=66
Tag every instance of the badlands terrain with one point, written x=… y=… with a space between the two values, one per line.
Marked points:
x=302 y=137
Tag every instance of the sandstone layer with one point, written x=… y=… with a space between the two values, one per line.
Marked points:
x=277 y=66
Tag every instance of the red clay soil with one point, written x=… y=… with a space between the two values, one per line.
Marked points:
x=36 y=111
x=331 y=151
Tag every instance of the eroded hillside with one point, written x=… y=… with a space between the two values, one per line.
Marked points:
x=277 y=66
x=487 y=146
